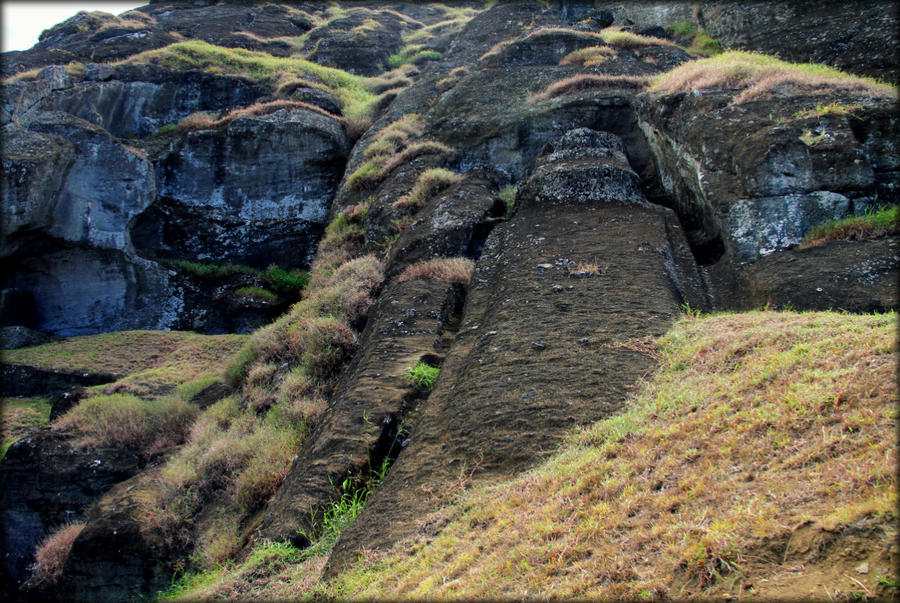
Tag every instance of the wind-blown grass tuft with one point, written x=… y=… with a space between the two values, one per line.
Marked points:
x=755 y=76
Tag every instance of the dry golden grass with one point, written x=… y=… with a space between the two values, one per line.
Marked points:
x=590 y=81
x=755 y=423
x=126 y=421
x=240 y=448
x=754 y=76
x=206 y=121
x=626 y=39
x=589 y=57
x=451 y=270
x=52 y=553
x=429 y=183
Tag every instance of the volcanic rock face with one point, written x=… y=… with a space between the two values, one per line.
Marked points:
x=86 y=217
x=255 y=192
x=628 y=206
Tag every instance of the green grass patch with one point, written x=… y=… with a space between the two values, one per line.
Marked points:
x=422 y=375
x=508 y=196
x=262 y=68
x=277 y=278
x=429 y=183
x=127 y=352
x=872 y=225
x=256 y=293
x=20 y=417
x=753 y=76
x=213 y=272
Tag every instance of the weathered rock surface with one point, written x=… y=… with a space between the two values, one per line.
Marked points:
x=547 y=342
x=744 y=182
x=45 y=483
x=115 y=558
x=254 y=192
x=856 y=276
x=81 y=215
x=847 y=35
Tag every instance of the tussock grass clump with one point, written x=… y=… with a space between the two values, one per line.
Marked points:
x=51 y=555
x=872 y=225
x=451 y=270
x=393 y=146
x=204 y=120
x=589 y=57
x=627 y=39
x=760 y=76
x=126 y=421
x=590 y=81
x=429 y=183
x=755 y=423
x=241 y=448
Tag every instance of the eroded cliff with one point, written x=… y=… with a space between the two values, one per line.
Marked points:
x=525 y=195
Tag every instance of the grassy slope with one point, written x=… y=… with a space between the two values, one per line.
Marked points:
x=148 y=362
x=755 y=425
x=124 y=352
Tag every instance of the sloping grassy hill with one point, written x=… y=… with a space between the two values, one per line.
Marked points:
x=760 y=460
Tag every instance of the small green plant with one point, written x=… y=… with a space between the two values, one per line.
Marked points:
x=508 y=196
x=810 y=139
x=872 y=225
x=166 y=129
x=286 y=282
x=429 y=183
x=422 y=375
x=256 y=293
x=689 y=312
x=355 y=491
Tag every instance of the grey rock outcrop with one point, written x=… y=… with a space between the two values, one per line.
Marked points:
x=256 y=191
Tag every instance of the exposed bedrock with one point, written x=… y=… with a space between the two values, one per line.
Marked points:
x=83 y=226
x=46 y=482
x=115 y=557
x=561 y=296
x=90 y=198
x=849 y=35
x=256 y=191
x=126 y=99
x=856 y=276
x=751 y=179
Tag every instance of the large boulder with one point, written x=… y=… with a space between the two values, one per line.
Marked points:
x=255 y=191
x=752 y=178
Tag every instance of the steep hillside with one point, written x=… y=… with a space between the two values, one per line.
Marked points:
x=445 y=265
x=759 y=460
